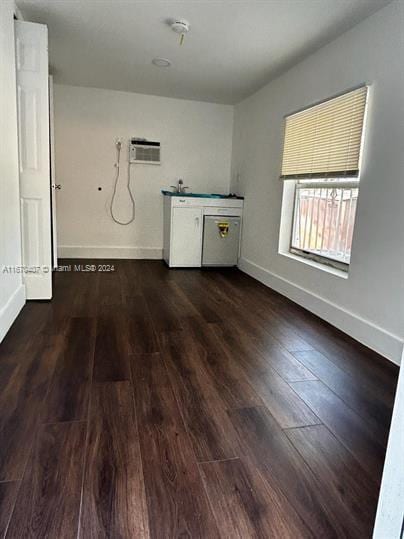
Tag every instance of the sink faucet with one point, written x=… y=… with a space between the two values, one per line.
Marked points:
x=180 y=187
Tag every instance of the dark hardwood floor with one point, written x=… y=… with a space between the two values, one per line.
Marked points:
x=146 y=402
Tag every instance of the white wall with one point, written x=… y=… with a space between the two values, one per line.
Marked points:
x=12 y=295
x=196 y=143
x=369 y=305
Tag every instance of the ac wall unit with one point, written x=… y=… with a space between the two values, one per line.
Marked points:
x=144 y=151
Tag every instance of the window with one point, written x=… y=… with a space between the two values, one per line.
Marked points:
x=322 y=156
x=323 y=220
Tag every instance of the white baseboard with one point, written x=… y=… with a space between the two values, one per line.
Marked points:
x=385 y=343
x=11 y=309
x=104 y=251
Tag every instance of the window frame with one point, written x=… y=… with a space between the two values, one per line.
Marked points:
x=340 y=183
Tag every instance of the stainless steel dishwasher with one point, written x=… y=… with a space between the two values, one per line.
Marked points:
x=221 y=238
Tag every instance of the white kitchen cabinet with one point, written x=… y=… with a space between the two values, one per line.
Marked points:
x=184 y=225
x=186 y=239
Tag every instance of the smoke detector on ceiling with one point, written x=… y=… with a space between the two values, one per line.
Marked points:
x=180 y=26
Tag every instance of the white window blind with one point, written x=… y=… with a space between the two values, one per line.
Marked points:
x=325 y=140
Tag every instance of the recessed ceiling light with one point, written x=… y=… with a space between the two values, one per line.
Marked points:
x=161 y=62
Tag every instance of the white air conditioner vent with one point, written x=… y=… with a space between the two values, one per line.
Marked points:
x=144 y=151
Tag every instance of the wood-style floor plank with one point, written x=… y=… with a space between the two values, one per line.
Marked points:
x=48 y=501
x=86 y=292
x=114 y=502
x=281 y=330
x=263 y=343
x=142 y=338
x=282 y=466
x=130 y=280
x=246 y=315
x=287 y=408
x=163 y=310
x=201 y=406
x=61 y=308
x=30 y=322
x=358 y=397
x=225 y=374
x=26 y=380
x=150 y=273
x=316 y=333
x=177 y=503
x=347 y=426
x=352 y=493
x=200 y=298
x=253 y=298
x=8 y=495
x=111 y=350
x=344 y=352
x=246 y=506
x=70 y=387
x=109 y=288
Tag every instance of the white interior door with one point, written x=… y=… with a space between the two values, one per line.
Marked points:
x=54 y=185
x=34 y=163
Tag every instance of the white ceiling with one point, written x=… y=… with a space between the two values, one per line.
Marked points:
x=234 y=46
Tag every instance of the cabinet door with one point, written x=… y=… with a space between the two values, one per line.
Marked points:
x=186 y=237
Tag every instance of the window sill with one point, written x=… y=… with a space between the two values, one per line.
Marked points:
x=312 y=263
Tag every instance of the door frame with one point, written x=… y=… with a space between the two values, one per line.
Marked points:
x=53 y=182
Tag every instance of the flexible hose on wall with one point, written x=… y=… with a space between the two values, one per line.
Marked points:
x=118 y=148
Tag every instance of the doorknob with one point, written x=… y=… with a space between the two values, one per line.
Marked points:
x=57 y=186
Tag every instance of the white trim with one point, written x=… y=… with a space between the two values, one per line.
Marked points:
x=106 y=251
x=11 y=309
x=318 y=265
x=52 y=170
x=382 y=341
x=390 y=508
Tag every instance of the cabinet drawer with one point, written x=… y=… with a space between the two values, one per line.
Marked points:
x=233 y=212
x=188 y=201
